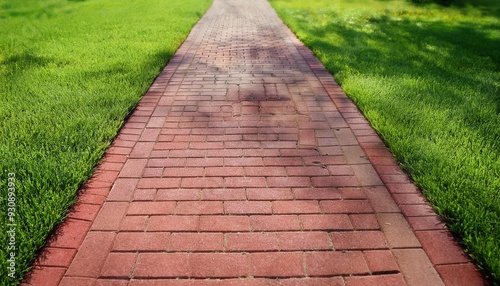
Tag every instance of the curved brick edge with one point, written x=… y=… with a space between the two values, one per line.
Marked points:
x=447 y=256
x=54 y=259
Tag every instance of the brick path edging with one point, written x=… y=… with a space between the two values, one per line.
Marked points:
x=62 y=245
x=452 y=264
x=440 y=245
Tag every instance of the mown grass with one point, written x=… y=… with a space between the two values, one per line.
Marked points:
x=428 y=79
x=70 y=72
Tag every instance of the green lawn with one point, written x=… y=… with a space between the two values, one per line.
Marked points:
x=428 y=79
x=70 y=72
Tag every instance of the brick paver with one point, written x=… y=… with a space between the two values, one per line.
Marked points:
x=246 y=164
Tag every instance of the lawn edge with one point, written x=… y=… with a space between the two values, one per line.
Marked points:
x=92 y=194
x=429 y=228
x=96 y=189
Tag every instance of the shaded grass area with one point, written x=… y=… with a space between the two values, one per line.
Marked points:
x=70 y=72
x=427 y=77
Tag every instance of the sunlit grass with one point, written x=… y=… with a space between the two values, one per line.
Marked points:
x=70 y=71
x=428 y=79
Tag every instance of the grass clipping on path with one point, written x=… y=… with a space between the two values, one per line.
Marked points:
x=70 y=71
x=428 y=79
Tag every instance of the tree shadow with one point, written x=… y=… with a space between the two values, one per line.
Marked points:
x=425 y=52
x=487 y=7
x=26 y=60
x=432 y=45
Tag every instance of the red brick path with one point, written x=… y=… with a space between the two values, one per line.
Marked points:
x=245 y=164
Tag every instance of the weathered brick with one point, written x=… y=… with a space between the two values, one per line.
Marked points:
x=123 y=189
x=157 y=183
x=225 y=194
x=224 y=223
x=45 y=276
x=335 y=263
x=288 y=182
x=364 y=221
x=247 y=207
x=173 y=223
x=110 y=216
x=397 y=231
x=296 y=207
x=326 y=222
x=196 y=242
x=441 y=247
x=461 y=275
x=381 y=261
x=356 y=240
x=91 y=255
x=197 y=207
x=84 y=211
x=268 y=171
x=151 y=208
x=245 y=182
x=56 y=257
x=346 y=206
x=204 y=182
x=311 y=240
x=256 y=241
x=389 y=279
x=264 y=194
x=417 y=268
x=178 y=195
x=133 y=168
x=316 y=193
x=218 y=265
x=119 y=265
x=335 y=181
x=277 y=264
x=141 y=241
x=162 y=265
x=133 y=223
x=274 y=222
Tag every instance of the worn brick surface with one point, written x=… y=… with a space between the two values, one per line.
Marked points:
x=391 y=279
x=91 y=255
x=335 y=263
x=326 y=222
x=55 y=256
x=44 y=276
x=443 y=247
x=245 y=163
x=350 y=240
x=182 y=241
x=156 y=265
x=78 y=281
x=122 y=190
x=277 y=264
x=70 y=234
x=381 y=261
x=274 y=222
x=461 y=275
x=397 y=231
x=248 y=241
x=417 y=268
x=364 y=221
x=218 y=265
x=84 y=211
x=119 y=265
x=311 y=240
x=141 y=241
x=173 y=223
